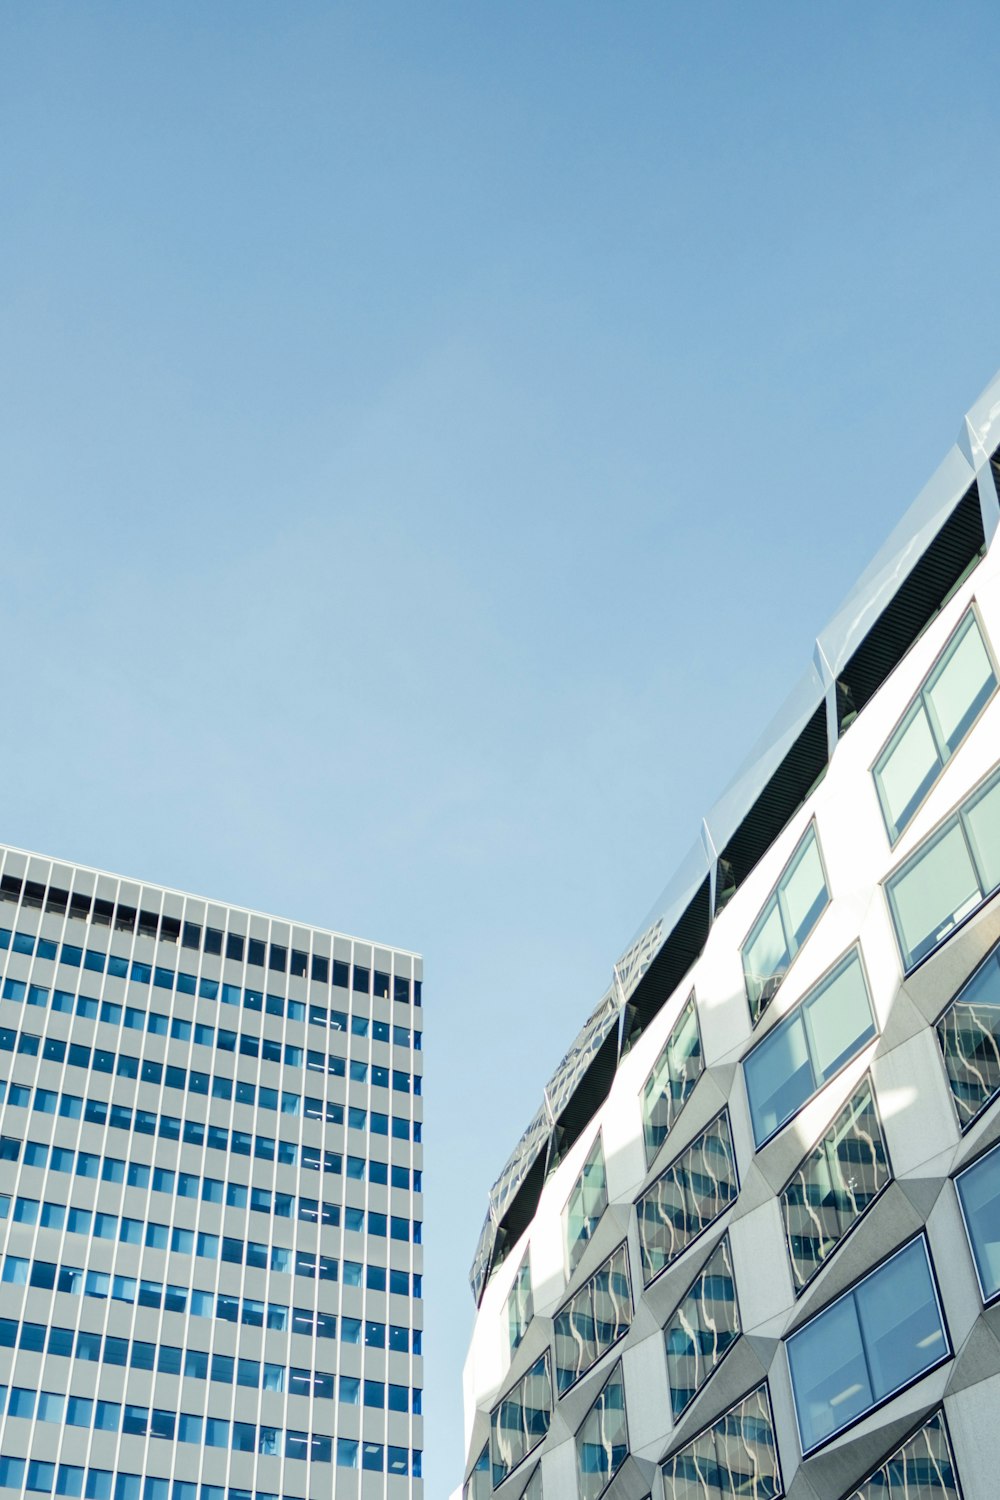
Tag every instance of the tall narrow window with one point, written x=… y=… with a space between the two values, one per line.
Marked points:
x=703 y=1329
x=969 y=1034
x=978 y=1190
x=533 y=1489
x=789 y=916
x=691 y=1194
x=839 y=1179
x=520 y=1308
x=479 y=1485
x=934 y=725
x=922 y=1468
x=808 y=1047
x=872 y=1342
x=674 y=1075
x=593 y=1320
x=950 y=874
x=586 y=1205
x=735 y=1456
x=521 y=1420
x=602 y=1442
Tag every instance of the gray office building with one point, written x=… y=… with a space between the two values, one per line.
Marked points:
x=210 y=1197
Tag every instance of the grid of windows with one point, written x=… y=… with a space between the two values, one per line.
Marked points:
x=97 y=1042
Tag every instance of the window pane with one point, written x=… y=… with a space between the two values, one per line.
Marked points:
x=690 y=1195
x=674 y=1075
x=960 y=686
x=838 y=1018
x=702 y=1329
x=521 y=1420
x=969 y=1034
x=765 y=959
x=602 y=1442
x=593 y=1320
x=906 y=770
x=735 y=1456
x=932 y=892
x=779 y=1077
x=982 y=819
x=834 y=1185
x=519 y=1305
x=829 y=1374
x=803 y=892
x=898 y=1310
x=979 y=1190
x=586 y=1205
x=922 y=1469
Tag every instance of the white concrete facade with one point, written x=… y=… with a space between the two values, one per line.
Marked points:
x=930 y=1399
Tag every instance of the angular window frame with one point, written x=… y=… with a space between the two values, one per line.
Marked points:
x=723 y=1248
x=541 y=1366
x=797 y=1015
x=575 y=1251
x=865 y=1083
x=665 y=1063
x=921 y=702
x=956 y=819
x=851 y=1293
x=675 y=1165
x=776 y=902
x=965 y=1123
x=989 y=1299
x=896 y=1456
x=717 y=1428
x=589 y=1286
x=616 y=1373
x=519 y=1306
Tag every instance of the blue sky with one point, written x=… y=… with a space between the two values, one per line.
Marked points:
x=430 y=439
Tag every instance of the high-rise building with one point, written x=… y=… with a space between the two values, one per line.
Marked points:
x=749 y=1245
x=210 y=1193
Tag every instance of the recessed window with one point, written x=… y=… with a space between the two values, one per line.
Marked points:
x=872 y=1342
x=969 y=1035
x=702 y=1329
x=586 y=1205
x=979 y=1194
x=935 y=724
x=602 y=1442
x=735 y=1456
x=839 y=1179
x=519 y=1302
x=806 y=1049
x=789 y=916
x=593 y=1320
x=691 y=1194
x=952 y=872
x=521 y=1420
x=478 y=1486
x=674 y=1075
x=922 y=1468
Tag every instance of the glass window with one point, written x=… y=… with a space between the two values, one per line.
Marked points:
x=674 y=1075
x=593 y=1320
x=922 y=1468
x=479 y=1485
x=687 y=1197
x=521 y=1420
x=735 y=1456
x=808 y=1047
x=867 y=1345
x=969 y=1036
x=789 y=916
x=702 y=1330
x=978 y=1189
x=839 y=1179
x=950 y=874
x=934 y=725
x=586 y=1205
x=520 y=1308
x=602 y=1442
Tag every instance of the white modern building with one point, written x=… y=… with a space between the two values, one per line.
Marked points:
x=749 y=1245
x=210 y=1199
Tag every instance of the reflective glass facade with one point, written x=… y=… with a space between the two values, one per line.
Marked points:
x=701 y=1331
x=210 y=1196
x=735 y=1456
x=593 y=1320
x=602 y=1442
x=688 y=1197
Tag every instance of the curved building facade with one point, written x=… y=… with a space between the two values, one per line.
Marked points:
x=750 y=1243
